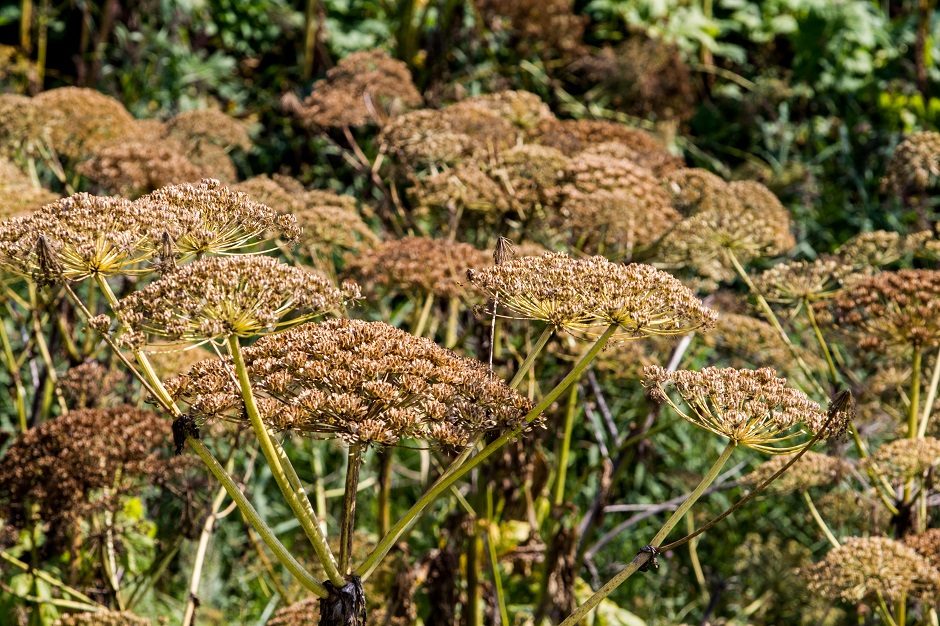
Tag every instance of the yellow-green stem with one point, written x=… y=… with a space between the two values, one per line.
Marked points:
x=530 y=358
x=254 y=520
x=453 y=317
x=823 y=526
x=350 y=496
x=931 y=398
x=422 y=321
x=47 y=577
x=277 y=463
x=643 y=557
x=14 y=371
x=563 y=453
x=444 y=483
x=385 y=458
x=494 y=559
x=823 y=346
x=914 y=409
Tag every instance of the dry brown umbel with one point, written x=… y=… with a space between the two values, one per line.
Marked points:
x=893 y=309
x=752 y=408
x=796 y=282
x=881 y=247
x=87 y=384
x=585 y=294
x=419 y=265
x=864 y=567
x=18 y=194
x=209 y=126
x=811 y=470
x=225 y=296
x=132 y=168
x=694 y=189
x=521 y=108
x=83 y=120
x=365 y=382
x=915 y=164
x=25 y=126
x=547 y=28
x=904 y=459
x=102 y=618
x=365 y=87
x=927 y=544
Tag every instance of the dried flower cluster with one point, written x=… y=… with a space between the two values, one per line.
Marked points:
x=18 y=194
x=748 y=341
x=209 y=126
x=25 y=126
x=903 y=459
x=810 y=470
x=585 y=294
x=55 y=472
x=132 y=168
x=927 y=544
x=302 y=613
x=796 y=282
x=365 y=382
x=419 y=264
x=864 y=567
x=893 y=309
x=548 y=29
x=237 y=295
x=365 y=87
x=102 y=618
x=915 y=165
x=881 y=247
x=522 y=109
x=87 y=384
x=752 y=408
x=694 y=190
x=82 y=120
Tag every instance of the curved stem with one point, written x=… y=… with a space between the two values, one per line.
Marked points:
x=254 y=520
x=819 y=520
x=643 y=557
x=48 y=578
x=444 y=483
x=192 y=600
x=422 y=321
x=294 y=494
x=530 y=358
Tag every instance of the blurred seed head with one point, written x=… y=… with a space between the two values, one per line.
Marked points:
x=364 y=382
x=82 y=120
x=25 y=126
x=878 y=248
x=132 y=168
x=18 y=194
x=752 y=408
x=915 y=165
x=88 y=384
x=794 y=282
x=904 y=459
x=810 y=470
x=209 y=126
x=102 y=618
x=927 y=544
x=522 y=109
x=224 y=296
x=547 y=28
x=864 y=567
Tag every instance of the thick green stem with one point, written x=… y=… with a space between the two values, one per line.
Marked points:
x=931 y=398
x=444 y=483
x=547 y=333
x=915 y=393
x=294 y=494
x=823 y=526
x=643 y=557
x=350 y=496
x=563 y=453
x=385 y=457
x=254 y=520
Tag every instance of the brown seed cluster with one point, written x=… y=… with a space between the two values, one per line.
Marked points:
x=810 y=470
x=864 y=567
x=224 y=296
x=87 y=384
x=133 y=168
x=795 y=282
x=745 y=340
x=881 y=247
x=522 y=109
x=102 y=618
x=365 y=87
x=25 y=126
x=903 y=459
x=209 y=126
x=56 y=471
x=419 y=265
x=891 y=309
x=364 y=382
x=694 y=190
x=752 y=408
x=18 y=194
x=584 y=295
x=927 y=544
x=548 y=28
x=82 y=120
x=915 y=165
x=302 y=613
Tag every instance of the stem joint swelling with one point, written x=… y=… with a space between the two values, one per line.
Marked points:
x=343 y=606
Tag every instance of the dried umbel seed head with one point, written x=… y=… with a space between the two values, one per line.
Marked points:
x=758 y=226
x=810 y=470
x=752 y=408
x=796 y=282
x=927 y=544
x=915 y=165
x=224 y=296
x=132 y=168
x=55 y=472
x=548 y=28
x=209 y=126
x=87 y=384
x=419 y=265
x=585 y=294
x=574 y=136
x=522 y=109
x=82 y=120
x=25 y=126
x=863 y=568
x=904 y=459
x=102 y=618
x=210 y=218
x=365 y=382
x=891 y=309
x=18 y=194
x=694 y=189
x=81 y=235
x=365 y=87
x=746 y=341
x=881 y=247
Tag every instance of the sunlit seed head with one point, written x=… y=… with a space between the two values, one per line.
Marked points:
x=83 y=120
x=927 y=544
x=209 y=126
x=795 y=282
x=18 y=194
x=810 y=470
x=132 y=168
x=915 y=165
x=904 y=459
x=102 y=618
x=522 y=109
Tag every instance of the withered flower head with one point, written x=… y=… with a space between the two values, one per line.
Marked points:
x=811 y=470
x=223 y=296
x=82 y=235
x=584 y=294
x=795 y=282
x=547 y=28
x=56 y=471
x=419 y=264
x=25 y=126
x=880 y=247
x=915 y=165
x=209 y=126
x=365 y=382
x=864 y=567
x=522 y=109
x=18 y=194
x=695 y=189
x=365 y=87
x=903 y=459
x=102 y=618
x=745 y=341
x=210 y=218
x=927 y=544
x=893 y=309
x=132 y=168
x=87 y=384
x=752 y=408
x=82 y=120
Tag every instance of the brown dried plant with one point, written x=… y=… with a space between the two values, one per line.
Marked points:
x=82 y=120
x=811 y=470
x=904 y=459
x=18 y=194
x=102 y=618
x=915 y=164
x=132 y=168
